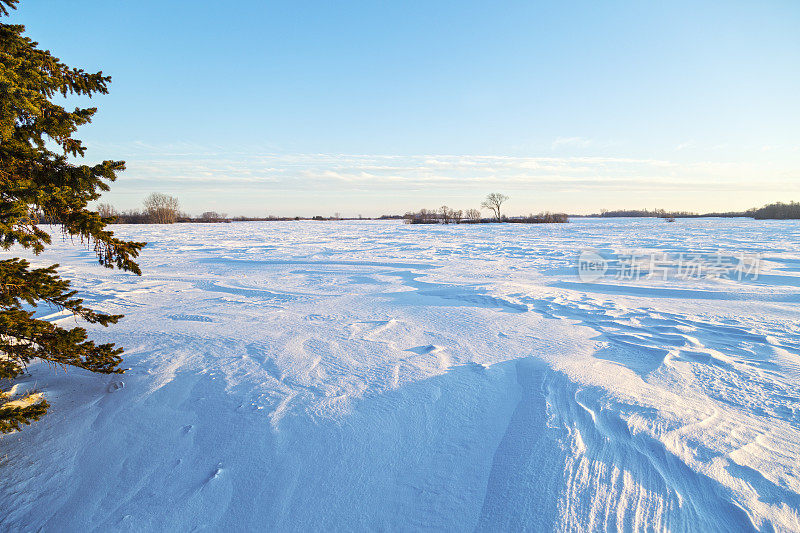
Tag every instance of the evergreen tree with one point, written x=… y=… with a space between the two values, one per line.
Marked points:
x=38 y=184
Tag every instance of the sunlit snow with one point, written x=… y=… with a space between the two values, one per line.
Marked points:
x=374 y=375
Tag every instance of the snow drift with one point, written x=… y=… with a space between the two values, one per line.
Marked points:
x=372 y=375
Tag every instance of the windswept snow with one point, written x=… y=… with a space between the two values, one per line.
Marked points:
x=372 y=375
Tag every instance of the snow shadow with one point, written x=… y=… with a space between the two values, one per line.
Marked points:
x=513 y=446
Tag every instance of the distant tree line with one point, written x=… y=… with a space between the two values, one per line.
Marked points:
x=157 y=208
x=644 y=213
x=443 y=215
x=492 y=203
x=542 y=218
x=776 y=211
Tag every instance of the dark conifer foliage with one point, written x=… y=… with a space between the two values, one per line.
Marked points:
x=37 y=184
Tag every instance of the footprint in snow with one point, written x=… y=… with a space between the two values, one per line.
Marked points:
x=422 y=350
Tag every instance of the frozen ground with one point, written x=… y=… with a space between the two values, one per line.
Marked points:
x=371 y=375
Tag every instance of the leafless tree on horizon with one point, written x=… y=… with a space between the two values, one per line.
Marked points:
x=493 y=202
x=161 y=208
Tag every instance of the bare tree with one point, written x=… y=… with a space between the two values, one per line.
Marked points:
x=445 y=211
x=493 y=202
x=106 y=210
x=161 y=208
x=213 y=216
x=473 y=214
x=457 y=215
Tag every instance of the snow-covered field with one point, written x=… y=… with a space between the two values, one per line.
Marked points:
x=374 y=375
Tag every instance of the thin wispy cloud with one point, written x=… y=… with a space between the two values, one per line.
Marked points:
x=194 y=171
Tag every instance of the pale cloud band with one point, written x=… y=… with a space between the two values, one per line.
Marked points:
x=203 y=176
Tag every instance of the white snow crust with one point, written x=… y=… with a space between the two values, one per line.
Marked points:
x=372 y=375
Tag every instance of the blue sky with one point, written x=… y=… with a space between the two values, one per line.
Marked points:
x=256 y=107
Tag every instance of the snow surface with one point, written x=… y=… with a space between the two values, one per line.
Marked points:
x=373 y=375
